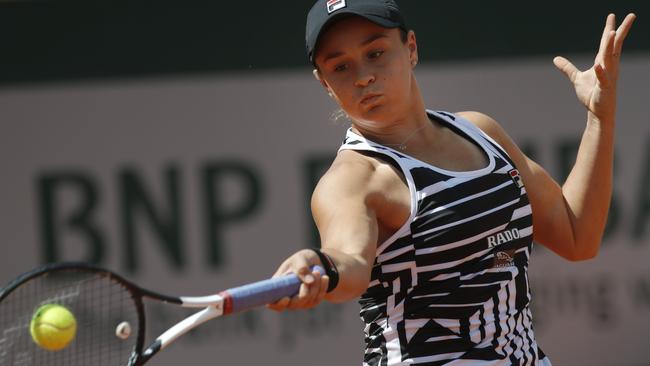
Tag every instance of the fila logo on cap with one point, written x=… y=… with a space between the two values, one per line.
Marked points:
x=334 y=5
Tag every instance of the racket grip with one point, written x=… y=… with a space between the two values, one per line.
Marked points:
x=260 y=293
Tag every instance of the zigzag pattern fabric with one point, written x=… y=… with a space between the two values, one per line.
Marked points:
x=450 y=287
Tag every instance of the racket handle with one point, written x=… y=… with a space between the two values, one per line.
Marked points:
x=263 y=292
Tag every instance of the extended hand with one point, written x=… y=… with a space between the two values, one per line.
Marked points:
x=596 y=87
x=313 y=287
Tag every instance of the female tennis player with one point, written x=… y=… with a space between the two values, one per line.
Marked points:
x=429 y=216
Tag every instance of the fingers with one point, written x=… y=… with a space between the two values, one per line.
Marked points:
x=309 y=295
x=311 y=290
x=609 y=57
x=298 y=263
x=603 y=77
x=280 y=304
x=607 y=61
x=610 y=25
x=622 y=31
x=305 y=274
x=566 y=67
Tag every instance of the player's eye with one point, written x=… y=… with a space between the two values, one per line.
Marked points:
x=375 y=54
x=340 y=67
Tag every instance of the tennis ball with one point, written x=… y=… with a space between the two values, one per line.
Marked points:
x=53 y=327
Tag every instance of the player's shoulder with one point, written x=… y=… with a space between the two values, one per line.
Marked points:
x=353 y=174
x=349 y=170
x=486 y=123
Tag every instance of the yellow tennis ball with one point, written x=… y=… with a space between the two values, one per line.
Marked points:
x=53 y=327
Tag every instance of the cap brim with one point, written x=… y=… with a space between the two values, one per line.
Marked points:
x=318 y=32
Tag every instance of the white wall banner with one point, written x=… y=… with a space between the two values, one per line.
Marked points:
x=189 y=186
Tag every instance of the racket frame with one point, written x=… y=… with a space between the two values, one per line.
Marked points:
x=232 y=300
x=137 y=294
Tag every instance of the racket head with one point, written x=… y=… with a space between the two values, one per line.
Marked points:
x=100 y=301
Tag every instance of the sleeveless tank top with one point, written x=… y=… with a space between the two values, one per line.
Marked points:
x=450 y=287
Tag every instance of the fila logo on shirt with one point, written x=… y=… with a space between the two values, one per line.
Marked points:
x=503 y=237
x=514 y=174
x=334 y=5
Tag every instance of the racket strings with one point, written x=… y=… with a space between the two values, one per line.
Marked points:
x=99 y=305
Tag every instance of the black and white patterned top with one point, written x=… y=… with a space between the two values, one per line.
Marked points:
x=450 y=287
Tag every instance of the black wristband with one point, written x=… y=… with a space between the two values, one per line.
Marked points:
x=330 y=269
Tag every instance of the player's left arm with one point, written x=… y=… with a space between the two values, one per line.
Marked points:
x=573 y=231
x=570 y=219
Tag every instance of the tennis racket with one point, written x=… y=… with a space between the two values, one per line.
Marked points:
x=110 y=314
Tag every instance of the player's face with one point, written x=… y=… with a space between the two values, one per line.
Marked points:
x=367 y=69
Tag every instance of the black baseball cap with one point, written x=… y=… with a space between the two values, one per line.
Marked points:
x=385 y=13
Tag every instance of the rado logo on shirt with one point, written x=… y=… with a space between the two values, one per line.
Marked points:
x=503 y=237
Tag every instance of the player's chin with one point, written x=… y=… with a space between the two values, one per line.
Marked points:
x=380 y=113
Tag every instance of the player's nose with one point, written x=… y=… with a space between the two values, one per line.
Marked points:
x=364 y=78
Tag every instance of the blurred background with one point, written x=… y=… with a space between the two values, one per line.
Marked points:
x=178 y=143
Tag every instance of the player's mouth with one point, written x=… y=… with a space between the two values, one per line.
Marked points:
x=369 y=99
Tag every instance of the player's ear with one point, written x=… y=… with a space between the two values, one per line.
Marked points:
x=322 y=82
x=412 y=45
x=317 y=76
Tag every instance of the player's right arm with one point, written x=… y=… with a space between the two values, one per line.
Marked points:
x=343 y=209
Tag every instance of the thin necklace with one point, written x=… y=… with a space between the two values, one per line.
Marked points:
x=402 y=145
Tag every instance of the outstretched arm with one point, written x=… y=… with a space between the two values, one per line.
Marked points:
x=570 y=219
x=347 y=223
